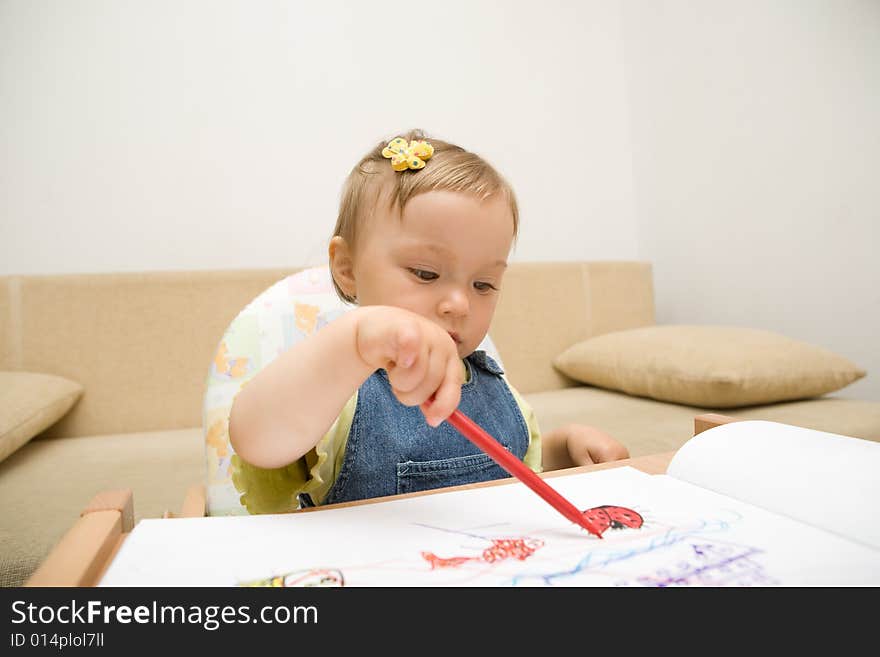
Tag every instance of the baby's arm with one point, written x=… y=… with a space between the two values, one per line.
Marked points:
x=284 y=410
x=578 y=444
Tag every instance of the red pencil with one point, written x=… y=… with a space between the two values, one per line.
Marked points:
x=473 y=432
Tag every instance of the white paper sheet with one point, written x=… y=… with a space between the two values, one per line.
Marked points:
x=501 y=536
x=822 y=479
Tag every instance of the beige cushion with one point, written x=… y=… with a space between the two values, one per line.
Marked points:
x=29 y=403
x=707 y=366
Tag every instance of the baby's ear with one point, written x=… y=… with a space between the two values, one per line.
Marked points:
x=342 y=266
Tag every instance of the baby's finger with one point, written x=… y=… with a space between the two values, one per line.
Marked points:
x=407 y=344
x=608 y=451
x=431 y=379
x=595 y=445
x=581 y=457
x=448 y=395
x=409 y=370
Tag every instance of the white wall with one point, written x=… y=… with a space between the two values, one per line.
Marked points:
x=734 y=144
x=756 y=140
x=217 y=134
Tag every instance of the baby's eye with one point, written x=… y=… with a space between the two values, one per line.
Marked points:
x=484 y=287
x=424 y=275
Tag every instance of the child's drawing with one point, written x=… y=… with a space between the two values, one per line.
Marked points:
x=501 y=549
x=662 y=533
x=664 y=555
x=707 y=564
x=323 y=577
x=615 y=517
x=656 y=554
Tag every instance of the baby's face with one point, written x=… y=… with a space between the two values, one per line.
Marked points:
x=443 y=259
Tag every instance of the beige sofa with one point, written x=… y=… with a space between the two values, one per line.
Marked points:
x=141 y=345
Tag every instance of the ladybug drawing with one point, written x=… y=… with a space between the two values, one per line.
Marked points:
x=615 y=517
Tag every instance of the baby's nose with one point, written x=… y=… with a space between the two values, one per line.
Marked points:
x=454 y=302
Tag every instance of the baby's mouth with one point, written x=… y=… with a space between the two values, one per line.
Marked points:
x=455 y=336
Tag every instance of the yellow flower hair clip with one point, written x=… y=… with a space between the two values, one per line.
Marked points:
x=407 y=156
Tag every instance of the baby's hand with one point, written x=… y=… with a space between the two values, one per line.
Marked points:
x=421 y=358
x=578 y=444
x=587 y=445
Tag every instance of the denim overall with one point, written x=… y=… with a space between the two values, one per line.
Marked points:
x=391 y=449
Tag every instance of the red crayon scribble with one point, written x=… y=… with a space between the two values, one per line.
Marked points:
x=507 y=548
x=501 y=549
x=615 y=517
x=440 y=562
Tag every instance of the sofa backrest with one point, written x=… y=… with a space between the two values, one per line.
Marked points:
x=141 y=344
x=546 y=307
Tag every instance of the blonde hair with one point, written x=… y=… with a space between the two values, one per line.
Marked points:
x=451 y=168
